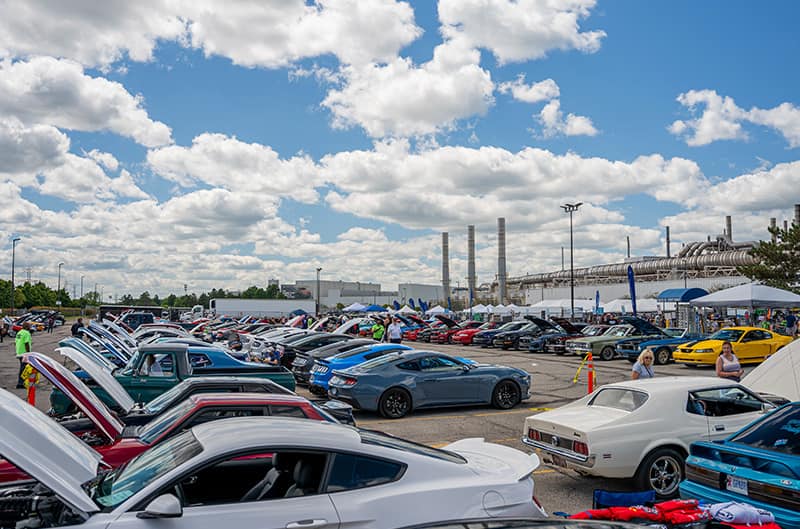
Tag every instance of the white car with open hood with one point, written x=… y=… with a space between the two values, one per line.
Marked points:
x=265 y=473
x=642 y=429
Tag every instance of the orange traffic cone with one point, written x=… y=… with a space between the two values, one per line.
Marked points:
x=590 y=368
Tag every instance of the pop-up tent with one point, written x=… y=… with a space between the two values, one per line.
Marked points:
x=438 y=309
x=750 y=295
x=405 y=309
x=624 y=305
x=355 y=307
x=479 y=309
x=375 y=308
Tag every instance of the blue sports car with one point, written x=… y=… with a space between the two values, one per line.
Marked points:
x=395 y=384
x=662 y=347
x=323 y=368
x=759 y=465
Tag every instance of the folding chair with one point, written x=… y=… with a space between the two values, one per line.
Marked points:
x=609 y=498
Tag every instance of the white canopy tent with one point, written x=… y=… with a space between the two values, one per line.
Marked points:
x=625 y=305
x=405 y=309
x=438 y=309
x=584 y=304
x=750 y=295
x=479 y=309
x=355 y=307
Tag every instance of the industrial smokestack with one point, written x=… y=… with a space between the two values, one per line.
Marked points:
x=446 y=266
x=797 y=214
x=628 y=239
x=471 y=280
x=772 y=223
x=501 y=260
x=668 y=242
x=728 y=228
x=785 y=225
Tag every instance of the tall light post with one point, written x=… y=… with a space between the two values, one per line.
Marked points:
x=317 y=296
x=571 y=208
x=58 y=290
x=82 y=286
x=14 y=242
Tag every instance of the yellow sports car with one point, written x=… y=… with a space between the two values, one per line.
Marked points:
x=751 y=345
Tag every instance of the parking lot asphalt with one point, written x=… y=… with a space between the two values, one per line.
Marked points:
x=552 y=386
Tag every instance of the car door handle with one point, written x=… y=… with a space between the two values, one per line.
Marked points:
x=306 y=524
x=719 y=427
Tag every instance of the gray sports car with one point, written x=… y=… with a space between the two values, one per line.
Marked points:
x=396 y=383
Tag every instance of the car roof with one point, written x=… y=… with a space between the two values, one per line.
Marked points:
x=666 y=385
x=743 y=328
x=210 y=399
x=242 y=433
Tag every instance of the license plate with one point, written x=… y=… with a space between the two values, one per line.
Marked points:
x=737 y=485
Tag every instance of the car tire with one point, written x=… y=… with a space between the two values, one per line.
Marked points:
x=395 y=403
x=506 y=394
x=662 y=356
x=607 y=353
x=662 y=471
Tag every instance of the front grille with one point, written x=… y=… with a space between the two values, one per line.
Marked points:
x=627 y=347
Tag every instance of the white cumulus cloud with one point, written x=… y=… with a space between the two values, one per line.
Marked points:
x=554 y=122
x=533 y=93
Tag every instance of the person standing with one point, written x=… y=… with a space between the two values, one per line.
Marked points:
x=643 y=368
x=791 y=324
x=728 y=365
x=395 y=331
x=51 y=322
x=76 y=326
x=378 y=330
x=23 y=344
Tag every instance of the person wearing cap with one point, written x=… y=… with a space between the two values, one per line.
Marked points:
x=395 y=331
x=23 y=343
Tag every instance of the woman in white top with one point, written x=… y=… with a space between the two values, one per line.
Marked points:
x=728 y=365
x=643 y=368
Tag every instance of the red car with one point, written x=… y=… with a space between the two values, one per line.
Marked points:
x=464 y=336
x=118 y=444
x=446 y=335
x=413 y=333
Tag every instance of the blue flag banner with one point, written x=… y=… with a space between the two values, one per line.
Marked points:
x=632 y=287
x=396 y=305
x=449 y=304
x=422 y=305
x=597 y=302
x=411 y=303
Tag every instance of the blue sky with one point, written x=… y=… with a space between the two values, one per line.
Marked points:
x=349 y=134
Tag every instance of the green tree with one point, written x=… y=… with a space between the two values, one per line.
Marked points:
x=777 y=263
x=274 y=292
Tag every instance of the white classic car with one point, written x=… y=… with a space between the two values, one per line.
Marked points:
x=642 y=429
x=256 y=472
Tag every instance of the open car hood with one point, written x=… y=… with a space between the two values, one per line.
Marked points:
x=566 y=325
x=78 y=393
x=778 y=375
x=541 y=323
x=88 y=351
x=108 y=347
x=447 y=321
x=103 y=377
x=644 y=327
x=45 y=450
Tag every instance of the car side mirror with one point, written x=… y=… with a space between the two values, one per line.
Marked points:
x=766 y=407
x=164 y=506
x=465 y=368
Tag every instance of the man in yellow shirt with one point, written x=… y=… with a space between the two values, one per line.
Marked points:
x=23 y=343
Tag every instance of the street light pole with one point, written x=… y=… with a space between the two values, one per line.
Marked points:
x=317 y=296
x=82 y=287
x=14 y=242
x=571 y=208
x=58 y=290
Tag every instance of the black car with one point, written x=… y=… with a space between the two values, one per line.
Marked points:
x=486 y=338
x=308 y=343
x=304 y=360
x=536 y=327
x=537 y=344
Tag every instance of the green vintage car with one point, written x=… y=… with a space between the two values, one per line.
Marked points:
x=603 y=347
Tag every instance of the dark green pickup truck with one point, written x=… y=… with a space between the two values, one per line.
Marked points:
x=156 y=368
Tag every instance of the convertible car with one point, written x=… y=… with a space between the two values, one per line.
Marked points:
x=642 y=429
x=256 y=472
x=396 y=384
x=759 y=465
x=751 y=345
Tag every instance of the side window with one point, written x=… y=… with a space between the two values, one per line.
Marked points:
x=723 y=402
x=754 y=336
x=199 y=360
x=427 y=363
x=374 y=354
x=409 y=366
x=355 y=472
x=157 y=365
x=215 y=414
x=446 y=362
x=287 y=411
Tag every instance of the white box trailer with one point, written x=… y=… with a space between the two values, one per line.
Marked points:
x=270 y=308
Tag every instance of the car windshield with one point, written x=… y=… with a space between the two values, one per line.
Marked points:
x=512 y=326
x=372 y=437
x=674 y=332
x=619 y=398
x=487 y=325
x=778 y=432
x=617 y=331
x=158 y=404
x=153 y=430
x=112 y=488
x=593 y=330
x=730 y=335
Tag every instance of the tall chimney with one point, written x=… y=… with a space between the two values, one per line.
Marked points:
x=797 y=214
x=772 y=223
x=668 y=242
x=471 y=280
x=501 y=260
x=785 y=225
x=628 y=239
x=446 y=266
x=728 y=228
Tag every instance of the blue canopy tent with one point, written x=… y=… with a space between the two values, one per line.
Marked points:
x=375 y=308
x=681 y=295
x=298 y=312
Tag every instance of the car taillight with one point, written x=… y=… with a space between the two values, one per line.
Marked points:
x=534 y=434
x=580 y=448
x=349 y=381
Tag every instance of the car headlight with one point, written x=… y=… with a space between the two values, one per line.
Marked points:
x=703 y=350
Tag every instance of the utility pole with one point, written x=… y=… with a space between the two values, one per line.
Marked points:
x=317 y=296
x=571 y=208
x=58 y=290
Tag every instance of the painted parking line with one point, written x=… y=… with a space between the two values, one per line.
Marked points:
x=444 y=417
